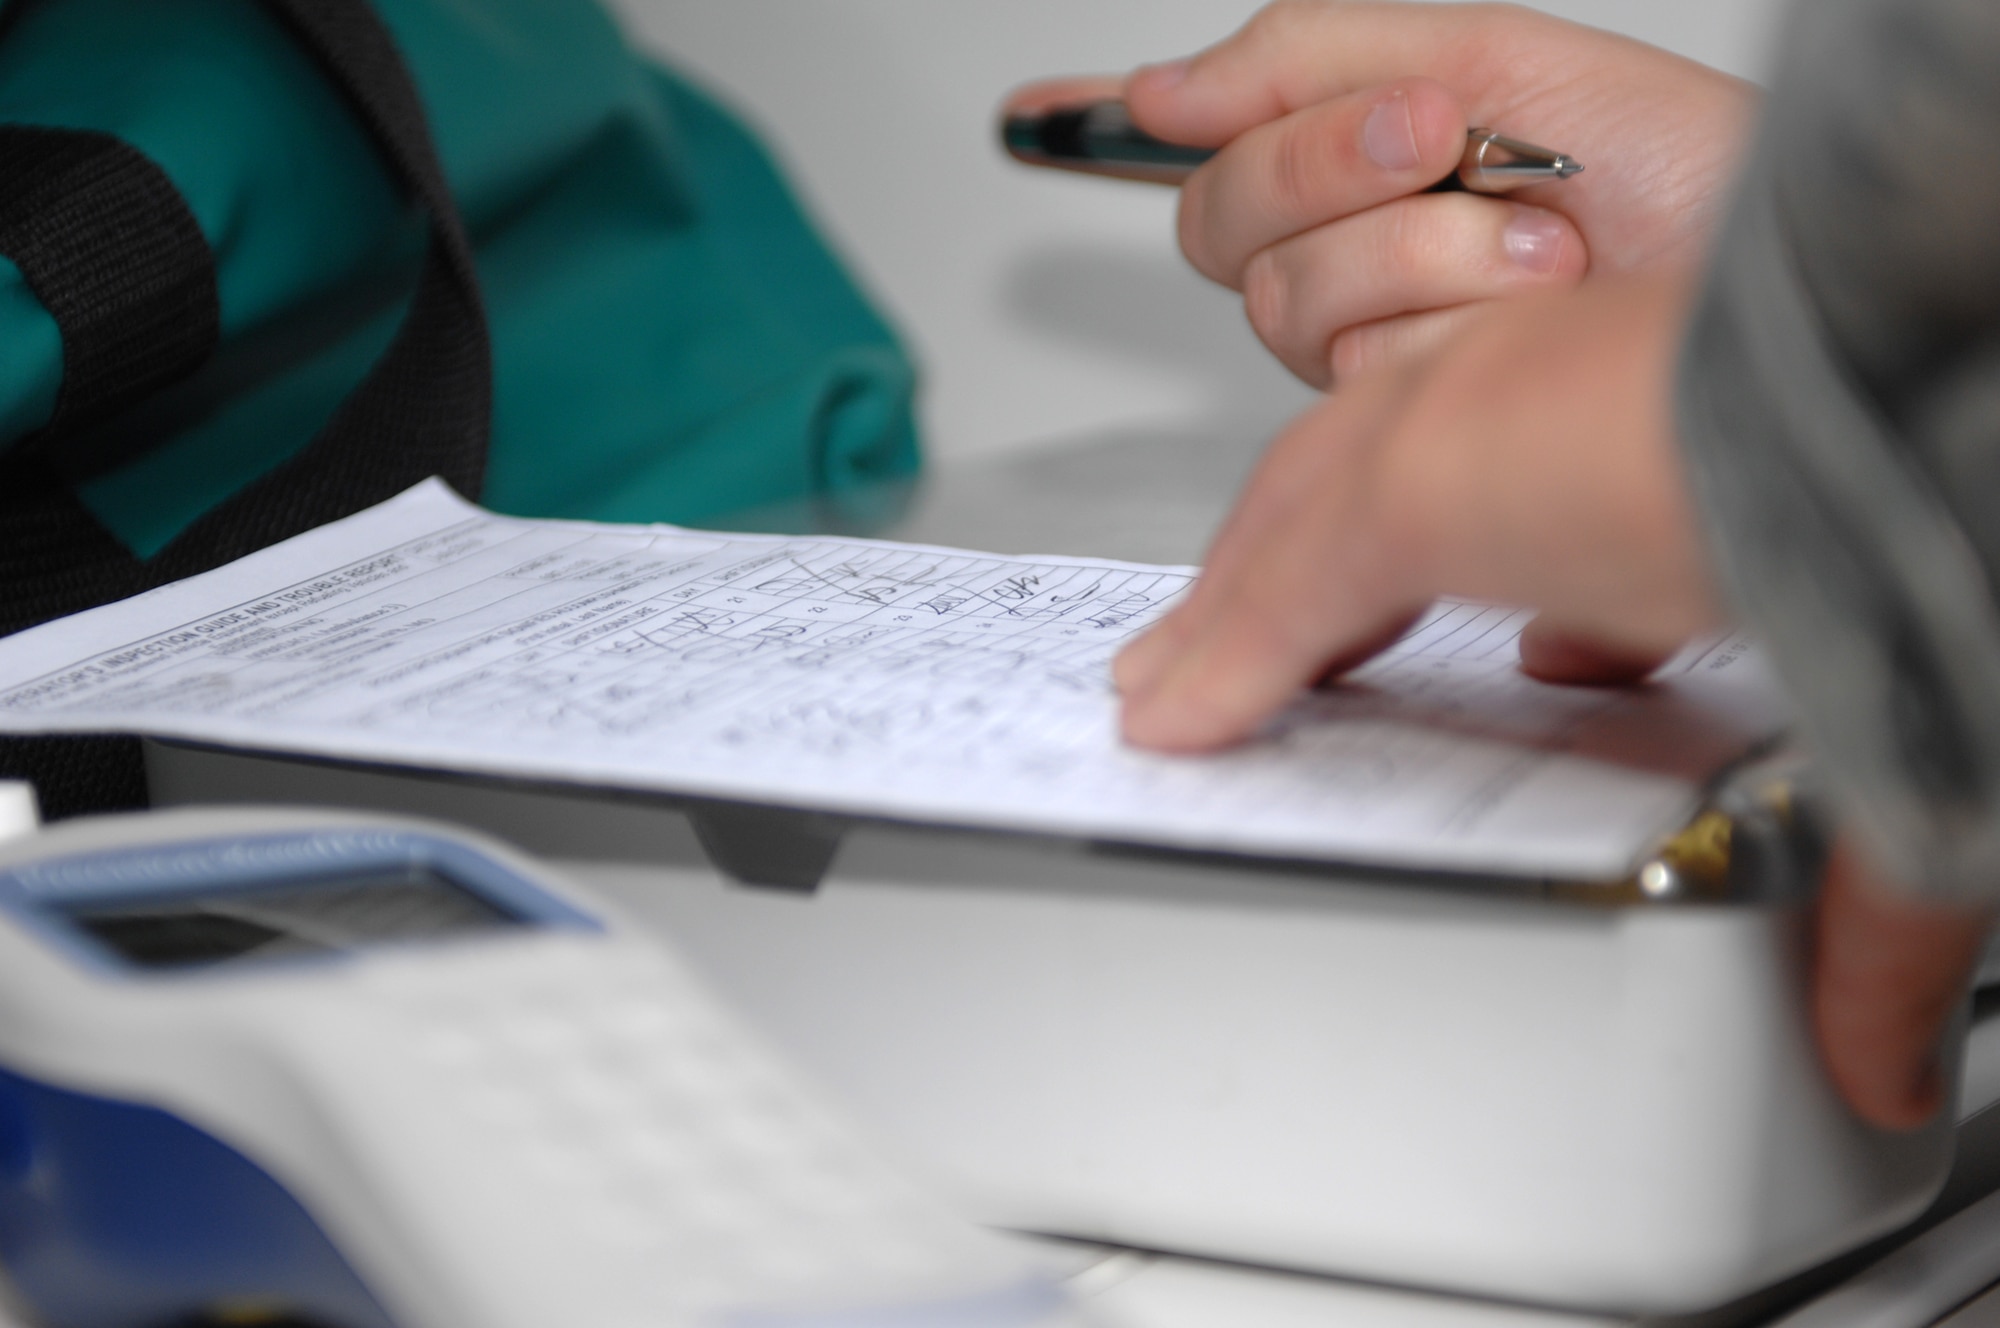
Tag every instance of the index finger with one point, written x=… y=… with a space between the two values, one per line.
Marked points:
x=1294 y=54
x=1054 y=94
x=1286 y=595
x=1316 y=165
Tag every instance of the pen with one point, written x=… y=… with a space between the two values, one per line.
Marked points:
x=1101 y=136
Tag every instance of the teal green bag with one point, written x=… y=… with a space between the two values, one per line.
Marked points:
x=670 y=339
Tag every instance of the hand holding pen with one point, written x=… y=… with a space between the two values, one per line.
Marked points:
x=1100 y=137
x=1323 y=133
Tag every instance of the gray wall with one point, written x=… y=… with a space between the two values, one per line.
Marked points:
x=1043 y=308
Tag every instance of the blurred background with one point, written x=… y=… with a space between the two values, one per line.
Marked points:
x=1052 y=316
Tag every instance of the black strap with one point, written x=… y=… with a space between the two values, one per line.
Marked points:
x=104 y=241
x=424 y=409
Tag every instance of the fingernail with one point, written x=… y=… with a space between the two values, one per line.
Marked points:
x=1167 y=76
x=1534 y=240
x=1390 y=136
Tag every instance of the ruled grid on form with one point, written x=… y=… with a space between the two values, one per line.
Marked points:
x=876 y=679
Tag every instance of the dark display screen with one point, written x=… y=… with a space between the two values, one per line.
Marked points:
x=328 y=915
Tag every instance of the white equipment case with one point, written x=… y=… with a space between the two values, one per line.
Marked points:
x=1591 y=1095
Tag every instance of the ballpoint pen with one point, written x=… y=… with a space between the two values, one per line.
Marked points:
x=1101 y=137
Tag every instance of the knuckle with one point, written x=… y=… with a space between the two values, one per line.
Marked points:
x=1283 y=19
x=1496 y=13
x=1353 y=352
x=1193 y=226
x=1298 y=172
x=1266 y=297
x=1273 y=309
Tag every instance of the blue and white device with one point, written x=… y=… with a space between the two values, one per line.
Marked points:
x=365 y=1072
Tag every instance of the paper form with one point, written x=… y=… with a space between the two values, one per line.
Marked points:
x=877 y=679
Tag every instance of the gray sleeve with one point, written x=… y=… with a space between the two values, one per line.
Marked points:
x=1839 y=402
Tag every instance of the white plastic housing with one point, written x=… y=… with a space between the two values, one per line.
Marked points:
x=1612 y=1107
x=527 y=1127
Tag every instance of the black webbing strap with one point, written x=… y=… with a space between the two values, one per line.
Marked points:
x=423 y=410
x=426 y=407
x=104 y=241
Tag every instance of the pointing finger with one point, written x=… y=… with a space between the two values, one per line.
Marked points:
x=1295 y=592
x=1291 y=470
